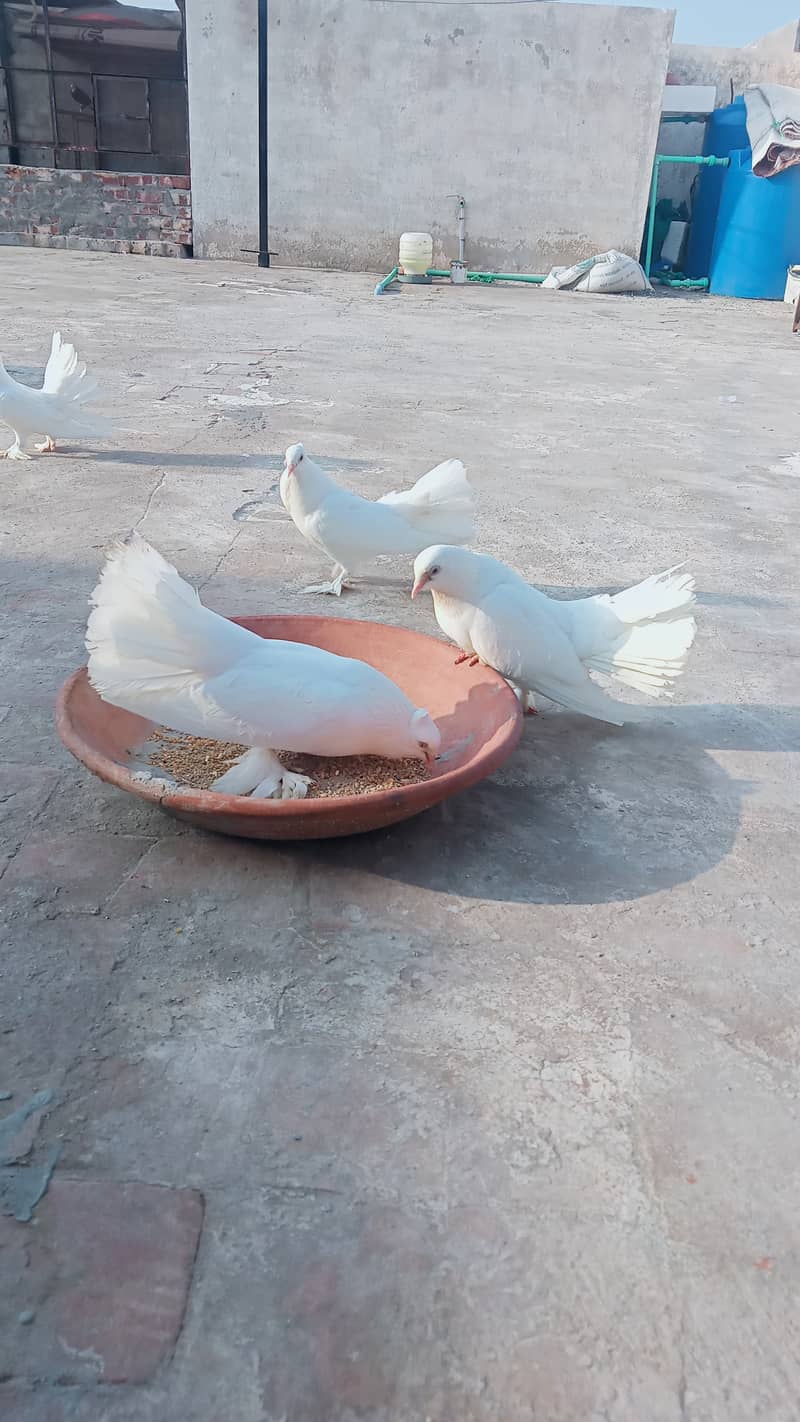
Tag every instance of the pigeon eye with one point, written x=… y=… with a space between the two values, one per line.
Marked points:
x=433 y=572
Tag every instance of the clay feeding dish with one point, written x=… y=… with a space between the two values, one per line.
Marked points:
x=477 y=713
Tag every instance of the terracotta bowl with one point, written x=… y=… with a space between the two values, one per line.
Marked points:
x=477 y=713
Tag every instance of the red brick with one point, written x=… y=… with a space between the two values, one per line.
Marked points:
x=106 y=1273
x=178 y=181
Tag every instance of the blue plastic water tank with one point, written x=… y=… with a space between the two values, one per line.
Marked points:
x=758 y=231
x=726 y=129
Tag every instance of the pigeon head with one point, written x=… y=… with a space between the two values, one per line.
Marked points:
x=445 y=569
x=295 y=455
x=424 y=736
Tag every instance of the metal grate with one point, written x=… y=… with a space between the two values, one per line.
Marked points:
x=92 y=85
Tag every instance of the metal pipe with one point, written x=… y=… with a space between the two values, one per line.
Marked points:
x=462 y=226
x=387 y=281
x=263 y=150
x=51 y=86
x=462 y=230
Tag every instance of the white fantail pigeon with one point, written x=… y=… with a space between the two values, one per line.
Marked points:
x=154 y=649
x=640 y=637
x=355 y=531
x=56 y=410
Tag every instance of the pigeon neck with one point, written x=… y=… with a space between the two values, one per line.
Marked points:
x=307 y=486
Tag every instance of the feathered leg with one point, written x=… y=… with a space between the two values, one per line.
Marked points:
x=340 y=578
x=15 y=450
x=47 y=446
x=260 y=774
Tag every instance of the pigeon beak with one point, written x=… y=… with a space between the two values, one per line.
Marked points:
x=430 y=758
x=421 y=582
x=290 y=468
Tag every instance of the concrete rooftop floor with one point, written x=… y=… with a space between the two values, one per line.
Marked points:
x=493 y=1116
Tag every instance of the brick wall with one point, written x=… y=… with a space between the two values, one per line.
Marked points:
x=119 y=212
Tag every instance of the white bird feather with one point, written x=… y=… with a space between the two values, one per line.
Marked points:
x=640 y=636
x=155 y=650
x=354 y=531
x=55 y=410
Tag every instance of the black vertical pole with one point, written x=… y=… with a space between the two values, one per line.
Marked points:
x=263 y=160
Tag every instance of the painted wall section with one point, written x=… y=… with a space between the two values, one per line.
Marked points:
x=222 y=66
x=544 y=116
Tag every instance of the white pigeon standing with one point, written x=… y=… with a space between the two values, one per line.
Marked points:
x=640 y=637
x=355 y=531
x=56 y=410
x=154 y=649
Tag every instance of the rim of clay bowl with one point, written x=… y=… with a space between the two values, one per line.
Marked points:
x=417 y=797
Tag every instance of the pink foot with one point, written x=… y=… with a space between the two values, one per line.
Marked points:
x=459 y=660
x=474 y=661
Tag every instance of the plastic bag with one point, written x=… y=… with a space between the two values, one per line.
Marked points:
x=610 y=272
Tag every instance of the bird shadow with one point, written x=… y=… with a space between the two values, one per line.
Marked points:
x=191 y=459
x=583 y=813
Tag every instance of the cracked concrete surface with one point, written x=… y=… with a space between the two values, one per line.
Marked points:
x=493 y=1114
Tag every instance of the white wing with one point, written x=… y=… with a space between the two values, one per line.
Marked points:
x=514 y=631
x=354 y=531
x=56 y=409
x=300 y=698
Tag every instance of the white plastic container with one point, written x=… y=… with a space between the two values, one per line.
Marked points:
x=416 y=253
x=458 y=273
x=792 y=286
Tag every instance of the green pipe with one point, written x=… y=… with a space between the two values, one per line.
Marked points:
x=387 y=281
x=651 y=218
x=699 y=282
x=709 y=161
x=489 y=276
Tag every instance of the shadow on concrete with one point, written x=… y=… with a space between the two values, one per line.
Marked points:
x=583 y=813
x=192 y=459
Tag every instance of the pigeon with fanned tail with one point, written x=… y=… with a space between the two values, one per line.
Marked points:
x=154 y=649
x=640 y=637
x=353 y=532
x=56 y=410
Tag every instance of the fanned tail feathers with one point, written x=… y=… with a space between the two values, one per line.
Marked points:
x=659 y=613
x=148 y=631
x=67 y=381
x=441 y=503
x=667 y=596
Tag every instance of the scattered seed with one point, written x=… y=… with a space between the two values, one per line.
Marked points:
x=197 y=762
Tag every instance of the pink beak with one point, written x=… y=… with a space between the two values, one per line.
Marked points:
x=421 y=583
x=290 y=468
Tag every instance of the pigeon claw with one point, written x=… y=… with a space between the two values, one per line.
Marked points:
x=463 y=658
x=474 y=661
